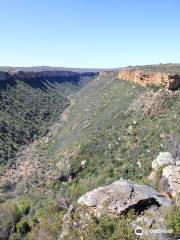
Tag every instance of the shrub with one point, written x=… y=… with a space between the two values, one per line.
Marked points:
x=24 y=206
x=172 y=219
x=22 y=227
x=46 y=222
x=9 y=216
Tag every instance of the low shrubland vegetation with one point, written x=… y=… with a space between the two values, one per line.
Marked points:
x=28 y=108
x=84 y=226
x=165 y=68
x=26 y=219
x=117 y=130
x=114 y=130
x=25 y=113
x=172 y=219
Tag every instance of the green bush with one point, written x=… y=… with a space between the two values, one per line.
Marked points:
x=172 y=219
x=28 y=219
x=22 y=227
x=46 y=223
x=9 y=216
x=24 y=205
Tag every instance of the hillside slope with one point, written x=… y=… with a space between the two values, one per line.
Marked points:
x=116 y=128
x=112 y=129
x=29 y=103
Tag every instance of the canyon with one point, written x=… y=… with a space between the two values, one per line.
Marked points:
x=89 y=154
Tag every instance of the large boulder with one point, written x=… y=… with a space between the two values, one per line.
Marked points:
x=121 y=196
x=163 y=159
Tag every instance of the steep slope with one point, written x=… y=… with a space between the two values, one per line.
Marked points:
x=29 y=102
x=115 y=129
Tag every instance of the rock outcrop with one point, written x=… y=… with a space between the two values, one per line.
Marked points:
x=169 y=80
x=171 y=174
x=163 y=159
x=115 y=199
x=169 y=181
x=121 y=196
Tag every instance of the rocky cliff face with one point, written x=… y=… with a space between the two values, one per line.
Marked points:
x=44 y=75
x=169 y=80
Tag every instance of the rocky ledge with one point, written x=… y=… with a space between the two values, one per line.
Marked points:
x=144 y=78
x=122 y=196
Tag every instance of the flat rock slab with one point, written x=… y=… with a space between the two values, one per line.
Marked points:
x=121 y=196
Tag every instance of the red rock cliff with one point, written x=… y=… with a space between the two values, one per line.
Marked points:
x=170 y=81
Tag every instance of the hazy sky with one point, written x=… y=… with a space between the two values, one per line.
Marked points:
x=89 y=33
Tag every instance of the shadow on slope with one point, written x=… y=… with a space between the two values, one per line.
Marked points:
x=42 y=79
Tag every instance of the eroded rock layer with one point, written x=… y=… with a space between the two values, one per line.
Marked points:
x=169 y=80
x=43 y=75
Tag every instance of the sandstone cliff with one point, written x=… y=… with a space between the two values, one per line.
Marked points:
x=38 y=79
x=22 y=75
x=145 y=78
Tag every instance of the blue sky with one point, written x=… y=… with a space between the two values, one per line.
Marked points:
x=89 y=33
